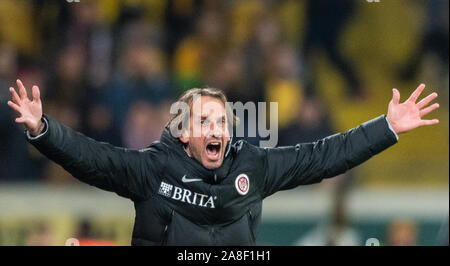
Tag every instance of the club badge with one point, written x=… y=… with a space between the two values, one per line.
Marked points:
x=242 y=184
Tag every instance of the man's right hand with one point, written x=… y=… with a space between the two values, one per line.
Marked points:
x=30 y=111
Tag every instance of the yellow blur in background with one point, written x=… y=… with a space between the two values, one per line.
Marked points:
x=378 y=39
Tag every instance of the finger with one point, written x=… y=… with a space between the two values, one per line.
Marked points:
x=429 y=109
x=429 y=122
x=22 y=90
x=14 y=95
x=395 y=96
x=36 y=93
x=14 y=106
x=415 y=95
x=425 y=101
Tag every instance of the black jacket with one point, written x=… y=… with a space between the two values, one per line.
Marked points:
x=179 y=202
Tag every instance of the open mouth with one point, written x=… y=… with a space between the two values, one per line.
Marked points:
x=213 y=149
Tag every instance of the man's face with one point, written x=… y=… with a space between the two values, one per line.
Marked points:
x=208 y=132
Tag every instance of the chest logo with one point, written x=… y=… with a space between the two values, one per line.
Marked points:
x=188 y=180
x=242 y=184
x=186 y=196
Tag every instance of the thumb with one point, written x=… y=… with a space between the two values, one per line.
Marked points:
x=395 y=96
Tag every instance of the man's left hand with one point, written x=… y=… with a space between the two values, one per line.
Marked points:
x=406 y=116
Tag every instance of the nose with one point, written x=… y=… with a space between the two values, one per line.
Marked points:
x=215 y=130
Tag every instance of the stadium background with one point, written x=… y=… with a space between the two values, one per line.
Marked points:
x=110 y=68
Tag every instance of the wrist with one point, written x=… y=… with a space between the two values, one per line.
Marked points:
x=38 y=129
x=392 y=125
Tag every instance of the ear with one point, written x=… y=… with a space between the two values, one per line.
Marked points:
x=184 y=137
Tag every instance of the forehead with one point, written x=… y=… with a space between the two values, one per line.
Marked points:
x=208 y=106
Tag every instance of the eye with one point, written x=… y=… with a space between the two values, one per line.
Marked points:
x=204 y=122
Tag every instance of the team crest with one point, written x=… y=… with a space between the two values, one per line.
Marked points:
x=242 y=184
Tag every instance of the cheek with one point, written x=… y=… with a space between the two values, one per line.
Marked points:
x=226 y=134
x=196 y=145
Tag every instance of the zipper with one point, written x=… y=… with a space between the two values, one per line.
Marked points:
x=166 y=230
x=250 y=221
x=212 y=233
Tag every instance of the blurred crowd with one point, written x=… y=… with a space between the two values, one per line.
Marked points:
x=111 y=68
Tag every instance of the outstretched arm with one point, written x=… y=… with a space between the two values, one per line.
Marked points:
x=126 y=172
x=308 y=163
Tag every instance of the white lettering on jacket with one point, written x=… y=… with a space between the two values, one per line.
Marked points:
x=185 y=195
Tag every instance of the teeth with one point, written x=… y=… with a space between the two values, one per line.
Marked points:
x=215 y=143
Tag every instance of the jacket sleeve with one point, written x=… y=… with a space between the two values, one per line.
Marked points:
x=124 y=171
x=309 y=163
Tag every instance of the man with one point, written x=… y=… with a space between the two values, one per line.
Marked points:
x=197 y=188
